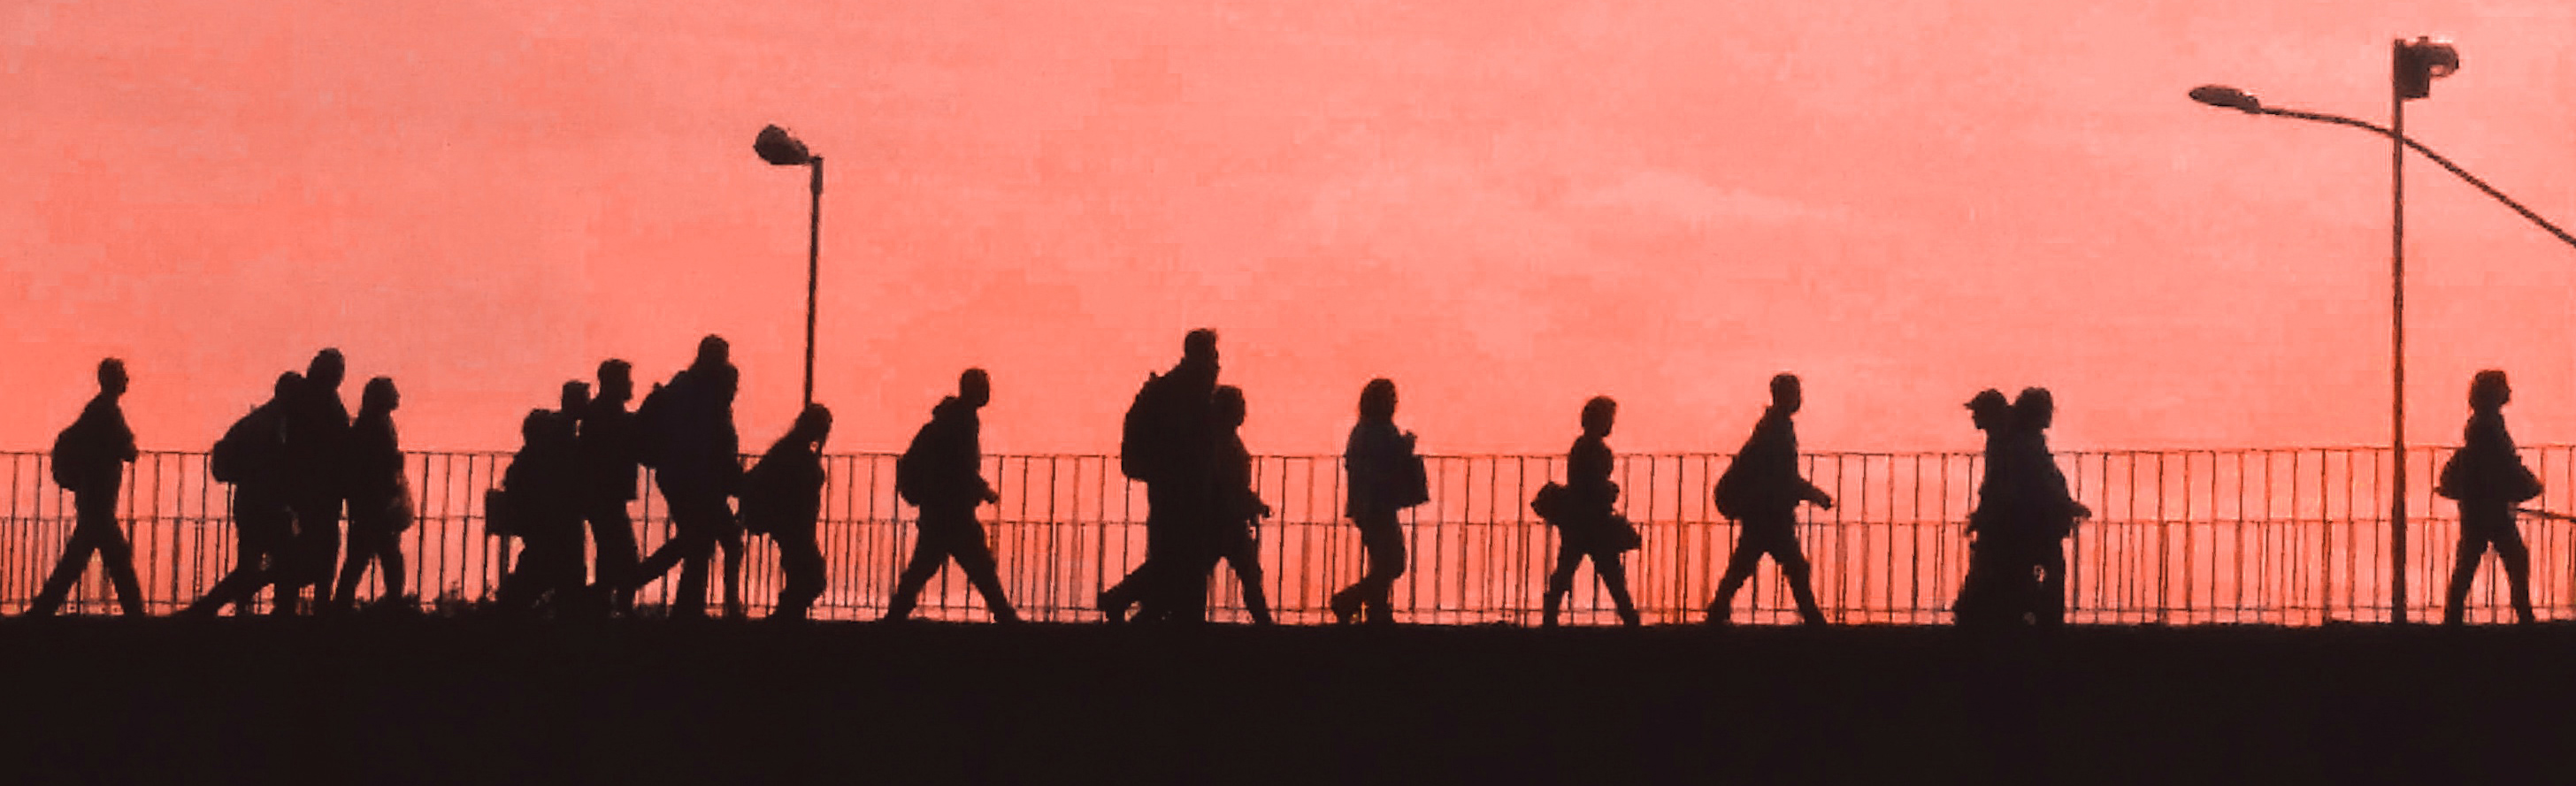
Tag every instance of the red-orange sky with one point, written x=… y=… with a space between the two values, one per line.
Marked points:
x=1505 y=206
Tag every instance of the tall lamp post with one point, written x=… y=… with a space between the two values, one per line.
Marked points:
x=780 y=148
x=2413 y=65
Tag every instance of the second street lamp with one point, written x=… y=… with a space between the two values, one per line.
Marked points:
x=780 y=148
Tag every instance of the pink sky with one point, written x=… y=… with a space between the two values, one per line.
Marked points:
x=1506 y=207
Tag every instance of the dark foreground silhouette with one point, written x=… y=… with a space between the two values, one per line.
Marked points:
x=478 y=701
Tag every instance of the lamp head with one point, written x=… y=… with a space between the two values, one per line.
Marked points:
x=778 y=147
x=2228 y=97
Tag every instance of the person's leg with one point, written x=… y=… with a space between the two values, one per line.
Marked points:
x=114 y=554
x=2517 y=570
x=729 y=539
x=928 y=556
x=363 y=546
x=1243 y=554
x=67 y=571
x=1384 y=543
x=612 y=534
x=1739 y=567
x=962 y=537
x=1559 y=583
x=318 y=521
x=2464 y=569
x=1614 y=577
x=2049 y=609
x=1784 y=551
x=802 y=560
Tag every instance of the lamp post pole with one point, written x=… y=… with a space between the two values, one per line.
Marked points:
x=2399 y=58
x=813 y=272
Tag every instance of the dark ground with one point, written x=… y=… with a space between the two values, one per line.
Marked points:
x=468 y=701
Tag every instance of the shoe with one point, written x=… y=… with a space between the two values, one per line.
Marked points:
x=1721 y=615
x=1344 y=608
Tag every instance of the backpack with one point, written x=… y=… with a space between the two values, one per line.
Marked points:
x=1729 y=494
x=71 y=456
x=653 y=424
x=500 y=513
x=231 y=459
x=909 y=467
x=1145 y=450
x=1413 y=482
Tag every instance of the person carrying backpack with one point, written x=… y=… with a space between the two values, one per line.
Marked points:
x=942 y=472
x=1168 y=444
x=1761 y=490
x=252 y=457
x=89 y=460
x=543 y=514
x=782 y=496
x=1386 y=477
x=687 y=430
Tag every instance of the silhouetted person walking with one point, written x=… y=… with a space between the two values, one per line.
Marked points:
x=1168 y=443
x=942 y=472
x=1386 y=477
x=317 y=434
x=2487 y=477
x=252 y=456
x=1761 y=490
x=89 y=460
x=700 y=467
x=1235 y=531
x=1998 y=578
x=782 y=497
x=607 y=452
x=544 y=514
x=2046 y=509
x=380 y=505
x=1587 y=525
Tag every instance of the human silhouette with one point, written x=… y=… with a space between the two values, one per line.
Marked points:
x=89 y=460
x=1587 y=526
x=698 y=467
x=1761 y=490
x=380 y=505
x=782 y=496
x=1236 y=510
x=252 y=457
x=2046 y=509
x=1168 y=444
x=2016 y=558
x=1386 y=477
x=2487 y=477
x=1989 y=594
x=942 y=473
x=317 y=434
x=544 y=513
x=607 y=453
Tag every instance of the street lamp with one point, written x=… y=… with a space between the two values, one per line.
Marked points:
x=2413 y=65
x=780 y=148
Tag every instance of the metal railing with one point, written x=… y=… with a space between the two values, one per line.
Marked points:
x=2276 y=536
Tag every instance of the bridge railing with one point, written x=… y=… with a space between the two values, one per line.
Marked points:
x=2277 y=536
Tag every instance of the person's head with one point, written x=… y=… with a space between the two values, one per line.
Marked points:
x=576 y=395
x=1377 y=400
x=616 y=380
x=1199 y=346
x=975 y=387
x=1228 y=406
x=536 y=427
x=2488 y=391
x=2034 y=408
x=111 y=377
x=327 y=369
x=1598 y=415
x=379 y=396
x=1785 y=395
x=814 y=425
x=288 y=384
x=713 y=351
x=1989 y=410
